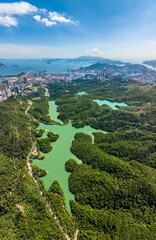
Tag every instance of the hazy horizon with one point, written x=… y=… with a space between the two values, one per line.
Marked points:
x=130 y=60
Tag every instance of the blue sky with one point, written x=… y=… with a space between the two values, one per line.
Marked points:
x=117 y=29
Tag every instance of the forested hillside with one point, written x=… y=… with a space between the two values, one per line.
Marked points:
x=114 y=186
x=23 y=213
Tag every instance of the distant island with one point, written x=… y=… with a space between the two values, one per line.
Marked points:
x=2 y=65
x=151 y=63
x=125 y=71
x=128 y=68
x=86 y=58
x=97 y=59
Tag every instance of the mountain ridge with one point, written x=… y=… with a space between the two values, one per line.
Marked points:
x=95 y=59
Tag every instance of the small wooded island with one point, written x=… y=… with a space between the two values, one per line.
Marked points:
x=2 y=65
x=114 y=184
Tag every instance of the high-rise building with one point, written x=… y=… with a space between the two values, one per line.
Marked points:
x=25 y=80
x=2 y=86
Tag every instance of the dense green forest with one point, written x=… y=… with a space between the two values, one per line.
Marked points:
x=114 y=186
x=40 y=107
x=116 y=197
x=52 y=136
x=23 y=213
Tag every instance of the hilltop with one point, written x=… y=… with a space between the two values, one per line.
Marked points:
x=151 y=63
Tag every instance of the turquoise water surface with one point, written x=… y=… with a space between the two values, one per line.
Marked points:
x=110 y=104
x=82 y=93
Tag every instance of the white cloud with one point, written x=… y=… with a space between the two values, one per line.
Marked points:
x=47 y=22
x=8 y=21
x=94 y=51
x=54 y=16
x=17 y=8
x=37 y=18
x=112 y=50
x=44 y=21
x=8 y=10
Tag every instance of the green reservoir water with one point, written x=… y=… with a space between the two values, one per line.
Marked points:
x=110 y=104
x=82 y=93
x=54 y=162
x=53 y=112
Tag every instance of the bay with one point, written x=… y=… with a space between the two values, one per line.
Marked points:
x=14 y=66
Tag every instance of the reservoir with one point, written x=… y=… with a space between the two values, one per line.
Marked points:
x=110 y=104
x=54 y=162
x=101 y=102
x=82 y=93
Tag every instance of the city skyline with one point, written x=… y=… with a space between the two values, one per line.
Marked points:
x=45 y=29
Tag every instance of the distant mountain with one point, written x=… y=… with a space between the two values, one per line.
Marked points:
x=101 y=66
x=89 y=58
x=151 y=63
x=97 y=60
x=85 y=59
x=127 y=68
